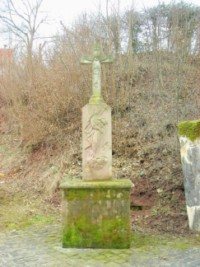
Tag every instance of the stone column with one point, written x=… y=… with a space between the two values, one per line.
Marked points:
x=189 y=136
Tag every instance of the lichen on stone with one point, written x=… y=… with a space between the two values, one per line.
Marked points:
x=189 y=129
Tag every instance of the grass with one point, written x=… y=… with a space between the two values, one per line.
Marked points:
x=146 y=242
x=19 y=211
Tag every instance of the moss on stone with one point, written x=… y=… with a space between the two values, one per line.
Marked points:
x=189 y=129
x=112 y=233
x=115 y=183
x=95 y=195
x=96 y=215
x=96 y=190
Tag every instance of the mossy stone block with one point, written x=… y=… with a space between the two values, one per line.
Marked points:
x=96 y=214
x=189 y=129
x=189 y=136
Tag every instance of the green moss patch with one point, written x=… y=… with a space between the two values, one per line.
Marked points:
x=190 y=129
x=80 y=184
x=95 y=194
x=96 y=214
x=112 y=233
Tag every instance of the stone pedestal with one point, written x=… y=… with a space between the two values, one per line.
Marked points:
x=96 y=214
x=189 y=133
x=97 y=143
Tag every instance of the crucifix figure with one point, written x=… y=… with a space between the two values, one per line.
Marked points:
x=96 y=59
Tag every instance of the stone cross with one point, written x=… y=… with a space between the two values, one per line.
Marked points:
x=99 y=203
x=96 y=60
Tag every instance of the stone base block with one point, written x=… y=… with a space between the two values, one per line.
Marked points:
x=96 y=214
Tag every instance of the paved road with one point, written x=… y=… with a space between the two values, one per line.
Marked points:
x=38 y=247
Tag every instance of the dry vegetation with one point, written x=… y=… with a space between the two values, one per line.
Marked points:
x=152 y=84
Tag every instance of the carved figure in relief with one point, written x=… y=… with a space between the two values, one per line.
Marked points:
x=96 y=126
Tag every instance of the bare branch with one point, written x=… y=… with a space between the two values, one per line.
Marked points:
x=13 y=8
x=22 y=22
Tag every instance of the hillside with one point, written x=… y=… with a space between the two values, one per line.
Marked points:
x=145 y=144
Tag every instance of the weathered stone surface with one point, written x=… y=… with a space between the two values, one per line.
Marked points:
x=97 y=143
x=96 y=214
x=190 y=158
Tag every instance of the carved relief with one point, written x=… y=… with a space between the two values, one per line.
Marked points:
x=97 y=154
x=94 y=131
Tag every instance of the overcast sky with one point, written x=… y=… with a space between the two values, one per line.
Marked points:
x=68 y=10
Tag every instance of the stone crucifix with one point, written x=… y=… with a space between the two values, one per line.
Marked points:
x=98 y=203
x=96 y=60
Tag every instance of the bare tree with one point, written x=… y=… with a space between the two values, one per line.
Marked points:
x=22 y=19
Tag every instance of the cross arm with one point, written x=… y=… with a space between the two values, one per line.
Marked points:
x=107 y=59
x=86 y=60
